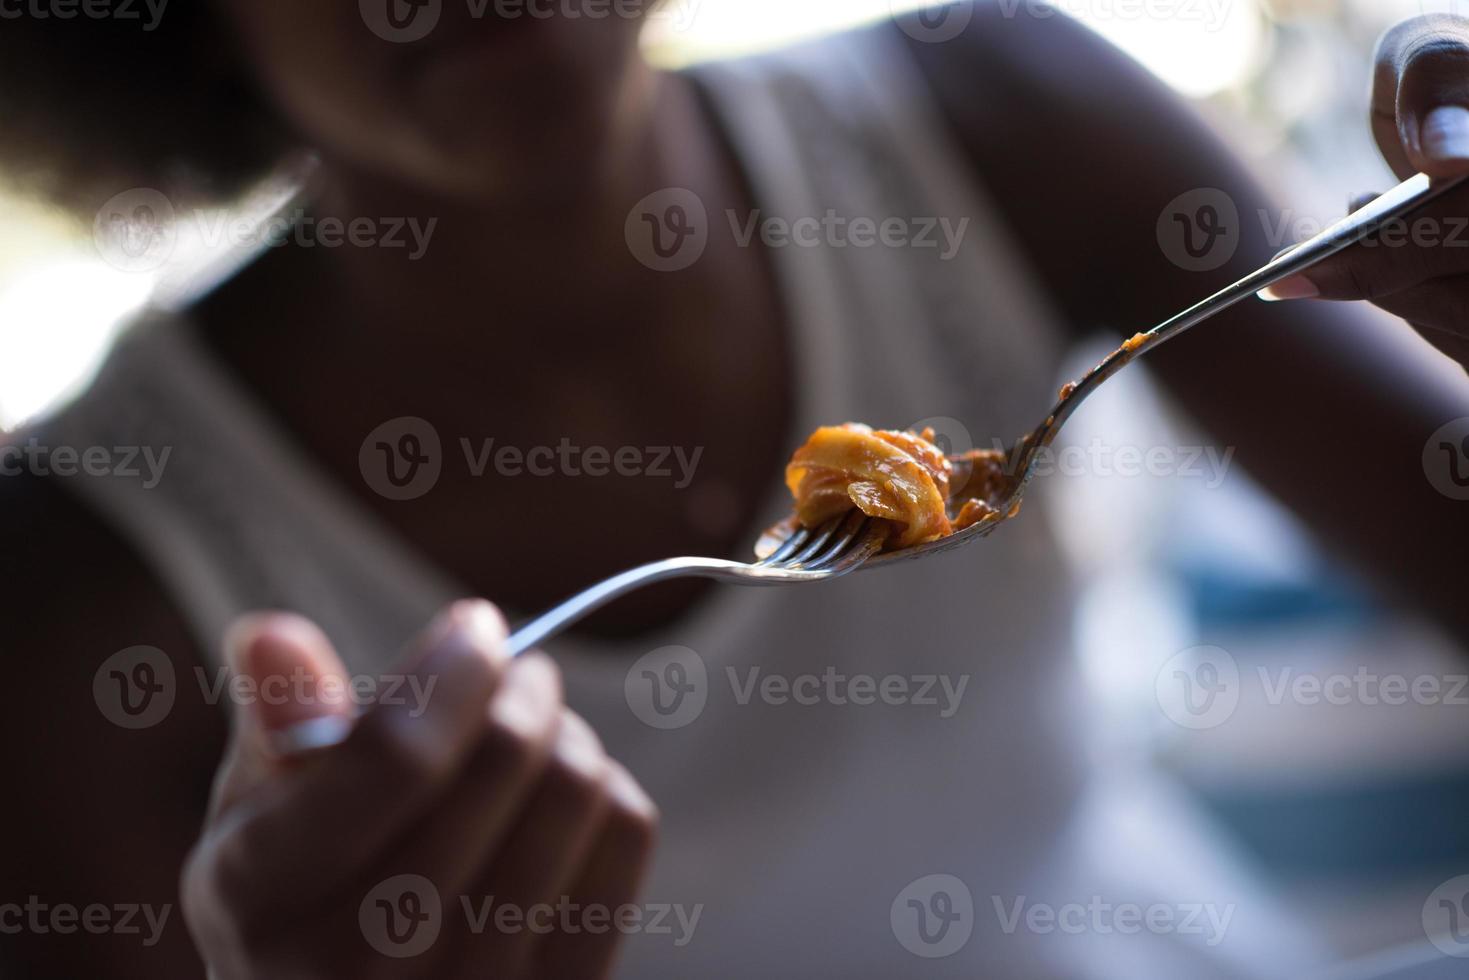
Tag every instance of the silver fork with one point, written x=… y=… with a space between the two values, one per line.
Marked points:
x=847 y=544
x=836 y=548
x=797 y=559
x=1021 y=458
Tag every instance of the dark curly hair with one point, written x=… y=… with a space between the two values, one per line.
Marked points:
x=92 y=106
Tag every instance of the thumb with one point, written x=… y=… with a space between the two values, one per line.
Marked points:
x=292 y=689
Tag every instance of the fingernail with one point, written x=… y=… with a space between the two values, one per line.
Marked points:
x=258 y=636
x=1445 y=135
x=471 y=622
x=1296 y=287
x=311 y=735
x=482 y=623
x=529 y=699
x=626 y=791
x=579 y=749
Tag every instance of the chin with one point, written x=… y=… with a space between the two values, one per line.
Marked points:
x=539 y=138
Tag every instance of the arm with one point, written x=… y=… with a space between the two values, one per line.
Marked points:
x=1329 y=406
x=484 y=785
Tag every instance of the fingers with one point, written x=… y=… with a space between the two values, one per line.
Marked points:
x=609 y=880
x=296 y=840
x=293 y=666
x=1437 y=310
x=1431 y=245
x=1420 y=96
x=539 y=861
x=460 y=838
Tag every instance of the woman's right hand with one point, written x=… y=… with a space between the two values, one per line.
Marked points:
x=377 y=857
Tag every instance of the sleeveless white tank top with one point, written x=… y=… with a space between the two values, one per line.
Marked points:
x=830 y=839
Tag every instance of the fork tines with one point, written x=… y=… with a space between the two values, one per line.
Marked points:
x=815 y=550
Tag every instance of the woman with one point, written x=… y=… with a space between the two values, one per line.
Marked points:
x=299 y=397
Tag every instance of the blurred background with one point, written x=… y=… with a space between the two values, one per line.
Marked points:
x=1356 y=811
x=1287 y=76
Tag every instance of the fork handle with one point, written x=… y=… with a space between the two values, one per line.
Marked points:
x=1399 y=202
x=584 y=603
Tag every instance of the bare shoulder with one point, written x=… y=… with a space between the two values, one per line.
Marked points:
x=1082 y=148
x=105 y=811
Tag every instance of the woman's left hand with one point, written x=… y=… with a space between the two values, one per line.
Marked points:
x=1418 y=270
